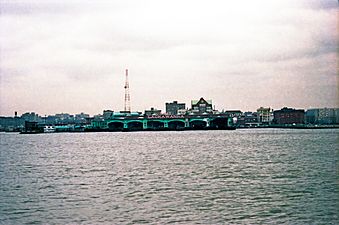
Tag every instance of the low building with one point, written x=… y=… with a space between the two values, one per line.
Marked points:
x=82 y=115
x=182 y=112
x=289 y=116
x=248 y=119
x=50 y=120
x=32 y=127
x=30 y=116
x=173 y=107
x=234 y=113
x=237 y=115
x=107 y=114
x=64 y=118
x=81 y=118
x=201 y=106
x=152 y=112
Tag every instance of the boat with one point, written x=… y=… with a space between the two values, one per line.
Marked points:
x=49 y=129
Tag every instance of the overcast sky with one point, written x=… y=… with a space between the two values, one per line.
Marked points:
x=70 y=56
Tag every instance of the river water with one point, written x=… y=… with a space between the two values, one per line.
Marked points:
x=247 y=176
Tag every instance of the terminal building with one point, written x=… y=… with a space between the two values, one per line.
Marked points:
x=201 y=106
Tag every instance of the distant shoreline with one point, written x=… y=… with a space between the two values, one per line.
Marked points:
x=294 y=127
x=238 y=128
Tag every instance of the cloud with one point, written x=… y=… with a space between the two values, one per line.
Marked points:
x=231 y=52
x=12 y=7
x=324 y=5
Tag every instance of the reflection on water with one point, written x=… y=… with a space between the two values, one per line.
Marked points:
x=243 y=176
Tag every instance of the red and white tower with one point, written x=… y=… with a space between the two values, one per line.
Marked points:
x=127 y=96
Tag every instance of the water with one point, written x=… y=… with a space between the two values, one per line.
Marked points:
x=208 y=177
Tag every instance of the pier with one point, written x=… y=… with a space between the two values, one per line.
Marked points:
x=164 y=122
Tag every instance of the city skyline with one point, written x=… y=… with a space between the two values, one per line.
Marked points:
x=161 y=111
x=62 y=56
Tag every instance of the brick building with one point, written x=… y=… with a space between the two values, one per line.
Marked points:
x=289 y=116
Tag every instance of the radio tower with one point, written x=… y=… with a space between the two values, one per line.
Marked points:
x=127 y=96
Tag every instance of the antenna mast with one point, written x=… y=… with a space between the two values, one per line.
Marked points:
x=127 y=96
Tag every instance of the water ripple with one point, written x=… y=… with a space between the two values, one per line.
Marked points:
x=259 y=176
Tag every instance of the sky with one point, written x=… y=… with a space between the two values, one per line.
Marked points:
x=71 y=55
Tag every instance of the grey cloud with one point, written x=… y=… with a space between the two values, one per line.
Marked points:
x=82 y=50
x=322 y=4
x=34 y=7
x=316 y=51
x=52 y=7
x=118 y=44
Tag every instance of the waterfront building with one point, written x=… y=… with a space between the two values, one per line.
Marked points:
x=336 y=112
x=234 y=113
x=32 y=126
x=64 y=118
x=248 y=119
x=182 y=111
x=127 y=114
x=311 y=116
x=98 y=116
x=81 y=118
x=264 y=115
x=10 y=123
x=50 y=120
x=152 y=112
x=322 y=116
x=163 y=122
x=173 y=107
x=201 y=106
x=289 y=116
x=327 y=115
x=30 y=116
x=107 y=114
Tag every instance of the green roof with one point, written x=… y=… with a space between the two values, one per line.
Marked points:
x=194 y=102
